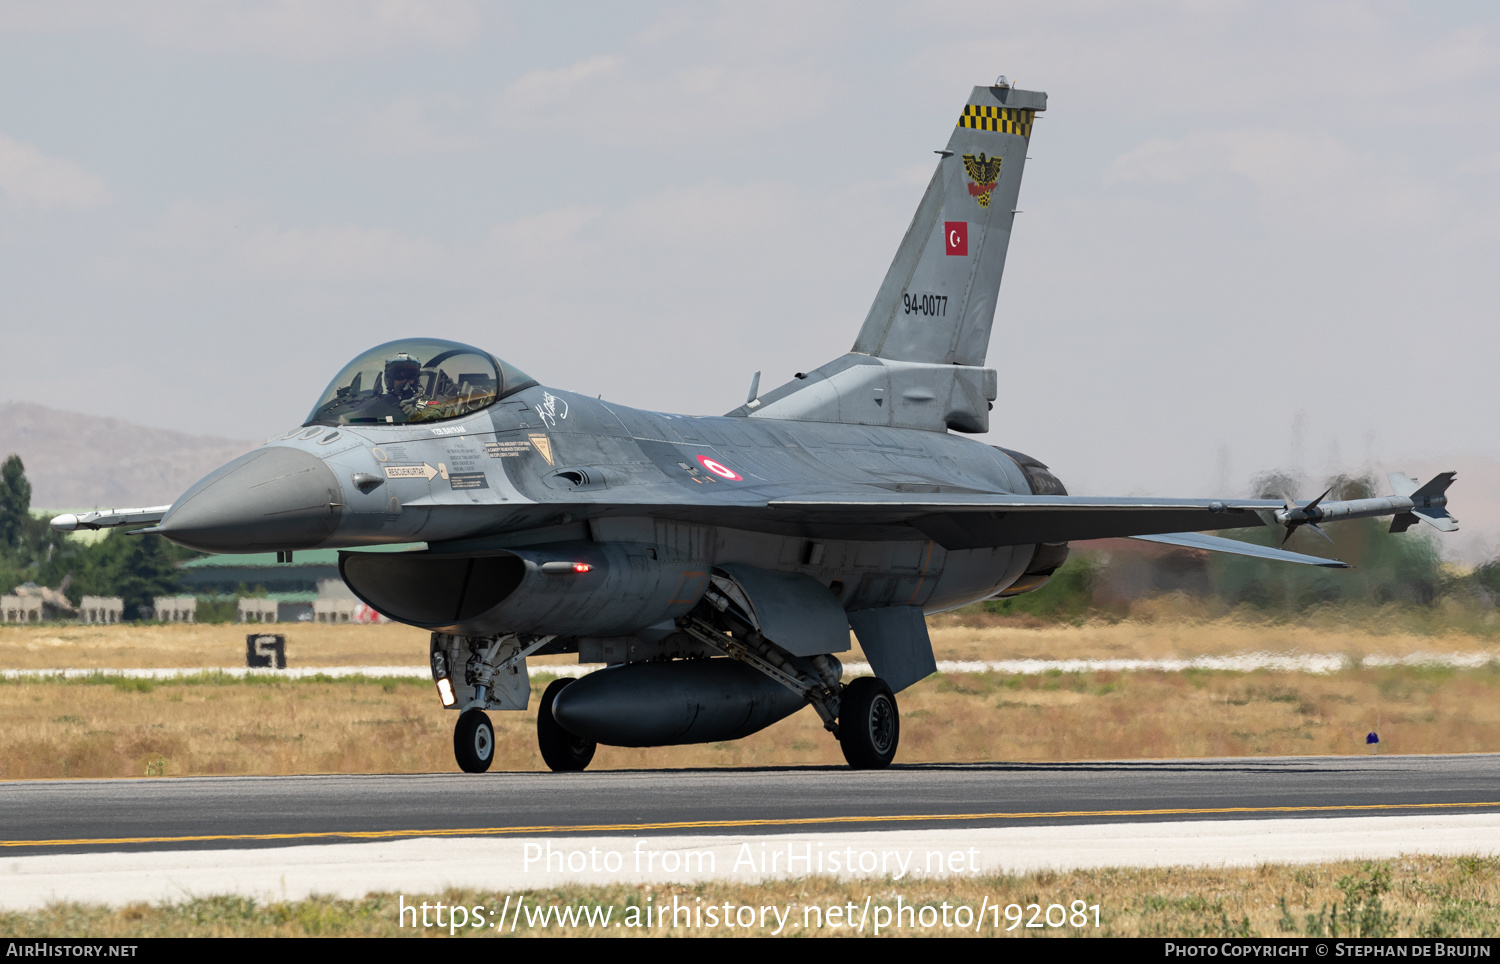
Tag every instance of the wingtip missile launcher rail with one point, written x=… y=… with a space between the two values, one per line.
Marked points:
x=109 y=518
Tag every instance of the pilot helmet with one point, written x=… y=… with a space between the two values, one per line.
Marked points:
x=401 y=367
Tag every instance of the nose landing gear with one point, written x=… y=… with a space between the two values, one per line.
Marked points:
x=474 y=741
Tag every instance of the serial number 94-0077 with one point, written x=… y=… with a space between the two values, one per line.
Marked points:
x=934 y=306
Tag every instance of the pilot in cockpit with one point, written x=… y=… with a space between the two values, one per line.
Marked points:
x=415 y=380
x=402 y=374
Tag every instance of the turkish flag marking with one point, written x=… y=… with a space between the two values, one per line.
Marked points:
x=957 y=233
x=720 y=469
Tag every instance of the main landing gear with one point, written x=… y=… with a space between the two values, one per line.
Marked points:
x=869 y=724
x=869 y=731
x=862 y=714
x=561 y=750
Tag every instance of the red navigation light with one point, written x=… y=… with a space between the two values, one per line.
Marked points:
x=581 y=567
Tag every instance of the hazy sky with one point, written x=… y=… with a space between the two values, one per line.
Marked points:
x=1254 y=234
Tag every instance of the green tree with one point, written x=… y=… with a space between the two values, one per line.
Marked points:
x=135 y=568
x=150 y=570
x=15 y=502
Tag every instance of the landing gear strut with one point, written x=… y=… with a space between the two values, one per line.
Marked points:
x=862 y=716
x=869 y=724
x=493 y=678
x=561 y=750
x=474 y=741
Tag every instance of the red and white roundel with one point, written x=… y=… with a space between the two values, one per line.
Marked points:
x=720 y=469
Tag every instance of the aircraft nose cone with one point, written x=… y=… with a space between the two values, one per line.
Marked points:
x=272 y=498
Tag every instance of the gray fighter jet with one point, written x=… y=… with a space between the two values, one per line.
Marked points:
x=715 y=564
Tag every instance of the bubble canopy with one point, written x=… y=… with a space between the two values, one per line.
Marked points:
x=416 y=380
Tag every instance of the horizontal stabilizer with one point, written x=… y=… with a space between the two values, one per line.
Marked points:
x=1197 y=540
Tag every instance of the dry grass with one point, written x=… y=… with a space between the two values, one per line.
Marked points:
x=1151 y=636
x=1158 y=632
x=115 y=727
x=1410 y=897
x=214 y=725
x=146 y=645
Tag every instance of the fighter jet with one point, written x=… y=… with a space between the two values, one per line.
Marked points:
x=716 y=565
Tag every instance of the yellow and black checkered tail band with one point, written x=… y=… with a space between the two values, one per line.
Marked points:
x=1002 y=120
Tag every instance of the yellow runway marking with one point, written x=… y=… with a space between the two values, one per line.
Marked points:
x=728 y=824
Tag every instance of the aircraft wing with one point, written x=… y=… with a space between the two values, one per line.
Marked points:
x=965 y=521
x=970 y=520
x=973 y=521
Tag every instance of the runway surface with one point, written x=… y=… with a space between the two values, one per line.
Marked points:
x=498 y=866
x=237 y=812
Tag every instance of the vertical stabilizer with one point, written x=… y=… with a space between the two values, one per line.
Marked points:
x=937 y=302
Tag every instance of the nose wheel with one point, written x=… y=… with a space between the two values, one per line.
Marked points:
x=869 y=724
x=561 y=750
x=474 y=741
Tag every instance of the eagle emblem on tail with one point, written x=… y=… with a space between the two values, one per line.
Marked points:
x=984 y=172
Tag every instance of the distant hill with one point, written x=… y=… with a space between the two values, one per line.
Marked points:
x=76 y=461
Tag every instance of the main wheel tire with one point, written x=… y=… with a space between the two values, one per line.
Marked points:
x=869 y=724
x=562 y=751
x=474 y=741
